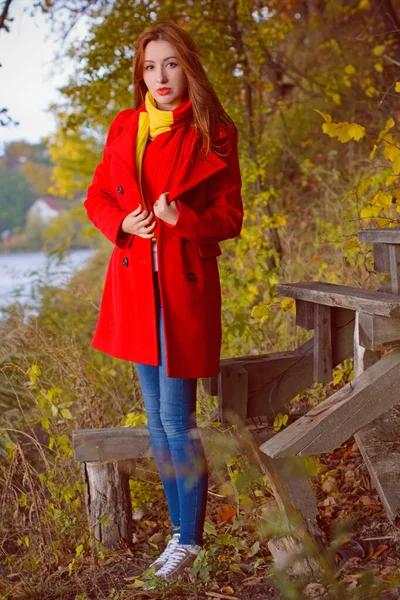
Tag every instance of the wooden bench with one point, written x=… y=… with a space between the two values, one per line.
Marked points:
x=108 y=458
x=364 y=407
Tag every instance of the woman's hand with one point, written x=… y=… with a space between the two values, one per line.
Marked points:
x=138 y=223
x=165 y=211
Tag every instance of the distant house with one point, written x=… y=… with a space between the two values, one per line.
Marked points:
x=44 y=209
x=5 y=235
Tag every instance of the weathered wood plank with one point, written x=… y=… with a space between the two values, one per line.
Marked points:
x=322 y=370
x=329 y=294
x=384 y=235
x=233 y=392
x=291 y=487
x=394 y=261
x=305 y=314
x=111 y=443
x=378 y=332
x=210 y=385
x=106 y=492
x=380 y=448
x=363 y=357
x=381 y=258
x=272 y=387
x=336 y=419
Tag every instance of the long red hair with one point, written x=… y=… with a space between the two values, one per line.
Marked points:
x=208 y=111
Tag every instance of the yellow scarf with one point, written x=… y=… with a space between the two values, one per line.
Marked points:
x=151 y=121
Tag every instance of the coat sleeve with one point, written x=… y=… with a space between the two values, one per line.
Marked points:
x=222 y=219
x=102 y=207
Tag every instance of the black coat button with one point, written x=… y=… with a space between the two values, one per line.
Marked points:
x=125 y=261
x=120 y=190
x=192 y=276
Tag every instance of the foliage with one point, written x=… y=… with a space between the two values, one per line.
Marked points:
x=15 y=198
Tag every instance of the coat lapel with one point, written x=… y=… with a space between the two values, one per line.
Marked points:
x=193 y=171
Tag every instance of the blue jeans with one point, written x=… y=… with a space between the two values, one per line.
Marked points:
x=170 y=405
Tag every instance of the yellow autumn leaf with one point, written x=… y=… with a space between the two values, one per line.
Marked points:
x=33 y=373
x=356 y=131
x=370 y=212
x=378 y=67
x=344 y=131
x=391 y=179
x=389 y=124
x=338 y=377
x=363 y=186
x=349 y=70
x=261 y=310
x=383 y=200
x=79 y=550
x=390 y=150
x=286 y=304
x=280 y=421
x=372 y=155
x=351 y=244
x=347 y=195
x=227 y=590
x=371 y=92
x=327 y=117
x=397 y=88
x=378 y=50
x=396 y=165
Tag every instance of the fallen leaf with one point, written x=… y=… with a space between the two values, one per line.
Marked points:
x=329 y=485
x=226 y=513
x=227 y=590
x=157 y=537
x=382 y=548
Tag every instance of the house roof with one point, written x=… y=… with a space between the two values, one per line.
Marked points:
x=50 y=202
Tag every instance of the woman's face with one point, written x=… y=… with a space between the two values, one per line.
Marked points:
x=163 y=74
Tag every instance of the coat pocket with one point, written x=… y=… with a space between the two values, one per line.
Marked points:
x=209 y=250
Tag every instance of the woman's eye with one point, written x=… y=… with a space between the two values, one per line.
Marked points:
x=173 y=64
x=148 y=67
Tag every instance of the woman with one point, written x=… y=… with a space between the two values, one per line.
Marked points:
x=165 y=193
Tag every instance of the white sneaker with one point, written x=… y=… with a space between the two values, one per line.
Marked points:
x=181 y=559
x=164 y=556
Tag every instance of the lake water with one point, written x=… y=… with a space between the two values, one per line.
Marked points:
x=20 y=274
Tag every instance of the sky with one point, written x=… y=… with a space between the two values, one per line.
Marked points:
x=28 y=78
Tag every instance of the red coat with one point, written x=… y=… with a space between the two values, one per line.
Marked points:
x=210 y=210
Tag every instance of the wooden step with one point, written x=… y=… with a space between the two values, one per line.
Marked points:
x=336 y=419
x=379 y=443
x=329 y=294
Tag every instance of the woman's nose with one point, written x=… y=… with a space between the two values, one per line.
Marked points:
x=161 y=78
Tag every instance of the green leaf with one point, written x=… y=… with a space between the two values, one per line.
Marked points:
x=254 y=549
x=66 y=413
x=210 y=529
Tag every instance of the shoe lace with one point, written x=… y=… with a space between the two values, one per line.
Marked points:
x=177 y=556
x=173 y=542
